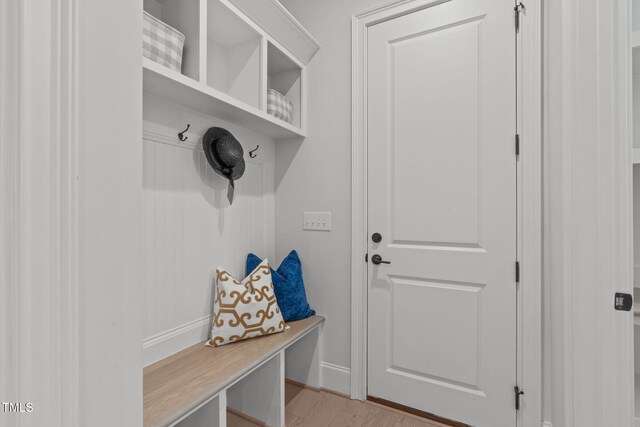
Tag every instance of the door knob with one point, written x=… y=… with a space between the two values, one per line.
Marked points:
x=377 y=259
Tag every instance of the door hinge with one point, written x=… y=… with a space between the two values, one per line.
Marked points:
x=366 y=257
x=519 y=8
x=517 y=393
x=517 y=272
x=517 y=145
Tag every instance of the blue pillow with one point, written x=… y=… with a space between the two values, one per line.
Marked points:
x=288 y=285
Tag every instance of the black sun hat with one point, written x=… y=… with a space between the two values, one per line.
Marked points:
x=225 y=155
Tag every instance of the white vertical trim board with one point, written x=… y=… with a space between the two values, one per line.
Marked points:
x=588 y=223
x=110 y=261
x=530 y=195
x=10 y=76
x=529 y=74
x=38 y=217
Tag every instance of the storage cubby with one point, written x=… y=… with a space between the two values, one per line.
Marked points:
x=208 y=415
x=233 y=54
x=302 y=360
x=285 y=76
x=184 y=16
x=260 y=395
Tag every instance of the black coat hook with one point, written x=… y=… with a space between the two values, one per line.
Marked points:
x=181 y=136
x=253 y=156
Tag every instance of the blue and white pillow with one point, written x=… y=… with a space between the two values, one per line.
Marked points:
x=288 y=285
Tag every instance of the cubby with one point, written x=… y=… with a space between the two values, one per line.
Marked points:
x=233 y=53
x=184 y=16
x=285 y=76
x=260 y=395
x=208 y=414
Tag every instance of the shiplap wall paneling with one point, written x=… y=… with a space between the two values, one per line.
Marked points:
x=189 y=232
x=190 y=227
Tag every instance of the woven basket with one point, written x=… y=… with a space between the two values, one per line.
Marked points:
x=162 y=43
x=279 y=106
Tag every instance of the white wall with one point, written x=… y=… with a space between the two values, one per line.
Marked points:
x=315 y=175
x=189 y=226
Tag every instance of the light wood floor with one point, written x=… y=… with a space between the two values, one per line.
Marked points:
x=305 y=407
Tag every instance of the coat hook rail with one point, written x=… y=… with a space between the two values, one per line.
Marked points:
x=181 y=136
x=251 y=153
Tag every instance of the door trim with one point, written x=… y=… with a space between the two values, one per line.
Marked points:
x=529 y=201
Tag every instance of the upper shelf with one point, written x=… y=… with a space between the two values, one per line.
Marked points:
x=231 y=58
x=180 y=89
x=281 y=26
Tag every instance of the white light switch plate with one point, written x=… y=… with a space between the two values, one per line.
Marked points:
x=317 y=221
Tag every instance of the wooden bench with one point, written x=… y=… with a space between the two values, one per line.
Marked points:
x=194 y=387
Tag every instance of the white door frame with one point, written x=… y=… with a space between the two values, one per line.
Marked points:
x=529 y=200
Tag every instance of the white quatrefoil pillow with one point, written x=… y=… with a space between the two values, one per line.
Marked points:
x=245 y=309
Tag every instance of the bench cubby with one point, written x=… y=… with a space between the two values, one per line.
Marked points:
x=210 y=413
x=260 y=394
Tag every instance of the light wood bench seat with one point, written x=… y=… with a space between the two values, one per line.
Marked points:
x=177 y=385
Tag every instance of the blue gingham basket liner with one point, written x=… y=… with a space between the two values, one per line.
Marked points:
x=162 y=43
x=279 y=106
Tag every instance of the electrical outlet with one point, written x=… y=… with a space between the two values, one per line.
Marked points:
x=316 y=221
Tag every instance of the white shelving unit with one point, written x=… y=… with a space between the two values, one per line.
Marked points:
x=234 y=51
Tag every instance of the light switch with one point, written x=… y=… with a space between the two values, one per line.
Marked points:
x=316 y=221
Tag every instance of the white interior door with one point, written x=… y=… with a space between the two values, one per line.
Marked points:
x=441 y=96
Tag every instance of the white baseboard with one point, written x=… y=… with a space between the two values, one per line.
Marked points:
x=335 y=377
x=546 y=424
x=172 y=341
